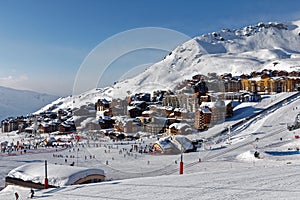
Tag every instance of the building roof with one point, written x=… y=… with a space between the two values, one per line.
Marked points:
x=180 y=126
x=58 y=175
x=104 y=101
x=205 y=110
x=175 y=144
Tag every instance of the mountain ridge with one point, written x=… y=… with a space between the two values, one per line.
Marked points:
x=238 y=51
x=252 y=48
x=14 y=102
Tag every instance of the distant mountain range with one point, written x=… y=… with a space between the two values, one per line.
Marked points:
x=21 y=102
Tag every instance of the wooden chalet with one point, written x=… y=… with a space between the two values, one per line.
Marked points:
x=179 y=129
x=102 y=105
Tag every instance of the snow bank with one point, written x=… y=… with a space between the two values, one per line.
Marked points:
x=247 y=156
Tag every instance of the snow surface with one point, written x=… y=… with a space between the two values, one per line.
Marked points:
x=253 y=182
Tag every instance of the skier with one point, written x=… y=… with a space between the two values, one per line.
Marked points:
x=16 y=195
x=32 y=193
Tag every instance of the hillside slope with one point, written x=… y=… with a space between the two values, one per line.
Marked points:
x=21 y=102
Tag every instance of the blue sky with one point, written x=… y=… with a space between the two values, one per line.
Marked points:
x=43 y=43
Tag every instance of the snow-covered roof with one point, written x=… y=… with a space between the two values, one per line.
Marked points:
x=168 y=146
x=52 y=123
x=179 y=126
x=227 y=102
x=70 y=122
x=51 y=139
x=136 y=102
x=183 y=110
x=174 y=144
x=208 y=104
x=30 y=128
x=44 y=124
x=65 y=125
x=104 y=101
x=58 y=175
x=205 y=110
x=255 y=79
x=57 y=121
x=169 y=108
x=147 y=112
x=122 y=119
x=177 y=110
x=184 y=142
x=133 y=107
x=104 y=118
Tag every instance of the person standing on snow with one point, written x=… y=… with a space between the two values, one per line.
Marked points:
x=16 y=195
x=32 y=193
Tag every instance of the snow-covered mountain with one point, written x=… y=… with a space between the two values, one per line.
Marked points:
x=253 y=48
x=21 y=102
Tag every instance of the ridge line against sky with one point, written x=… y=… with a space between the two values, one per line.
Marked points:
x=43 y=43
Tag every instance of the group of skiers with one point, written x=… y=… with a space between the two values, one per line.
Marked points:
x=31 y=194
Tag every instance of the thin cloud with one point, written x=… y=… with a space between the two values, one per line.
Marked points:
x=14 y=82
x=6 y=78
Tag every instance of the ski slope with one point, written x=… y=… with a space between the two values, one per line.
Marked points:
x=228 y=169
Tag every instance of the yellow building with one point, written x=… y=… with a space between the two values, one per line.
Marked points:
x=271 y=85
x=266 y=85
x=249 y=85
